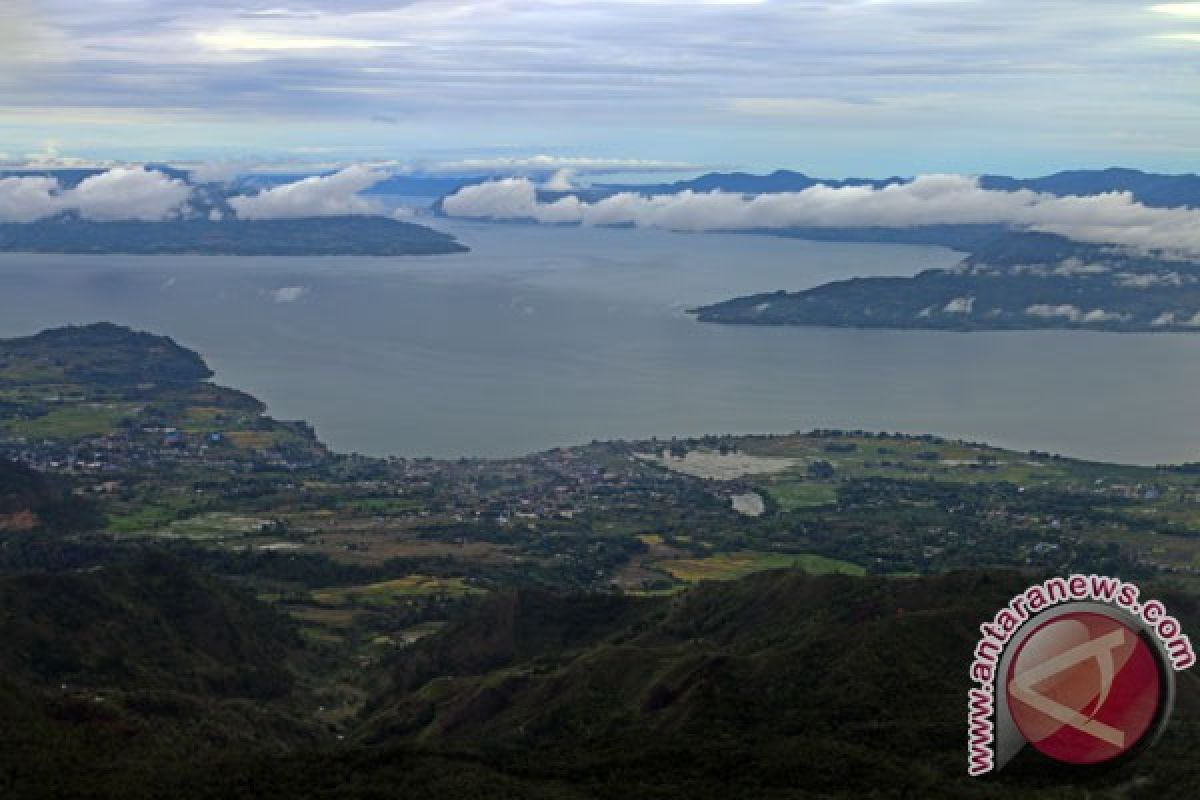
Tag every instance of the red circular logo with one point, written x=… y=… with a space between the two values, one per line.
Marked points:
x=1084 y=688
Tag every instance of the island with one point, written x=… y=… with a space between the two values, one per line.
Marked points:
x=316 y=236
x=1014 y=281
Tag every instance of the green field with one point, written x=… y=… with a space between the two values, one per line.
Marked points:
x=388 y=593
x=72 y=422
x=793 y=495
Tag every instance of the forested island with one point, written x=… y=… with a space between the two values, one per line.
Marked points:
x=1010 y=281
x=316 y=236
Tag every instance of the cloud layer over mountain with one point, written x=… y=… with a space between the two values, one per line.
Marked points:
x=121 y=193
x=318 y=196
x=139 y=193
x=928 y=200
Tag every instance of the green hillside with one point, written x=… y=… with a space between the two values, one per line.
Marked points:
x=113 y=676
x=29 y=501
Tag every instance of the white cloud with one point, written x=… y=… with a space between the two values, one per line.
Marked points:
x=321 y=196
x=26 y=199
x=287 y=294
x=511 y=198
x=1073 y=266
x=124 y=193
x=1178 y=9
x=1149 y=280
x=20 y=33
x=50 y=158
x=215 y=171
x=827 y=109
x=137 y=193
x=1169 y=318
x=1074 y=313
x=1028 y=88
x=548 y=163
x=229 y=40
x=1114 y=218
x=561 y=181
x=960 y=305
x=118 y=194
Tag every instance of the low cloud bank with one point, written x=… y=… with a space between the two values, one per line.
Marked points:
x=139 y=193
x=319 y=196
x=1075 y=313
x=548 y=163
x=118 y=194
x=1114 y=218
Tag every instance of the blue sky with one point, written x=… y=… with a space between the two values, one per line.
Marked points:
x=832 y=87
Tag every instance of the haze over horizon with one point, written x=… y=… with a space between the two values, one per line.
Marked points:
x=832 y=87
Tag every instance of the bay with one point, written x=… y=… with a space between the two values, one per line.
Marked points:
x=545 y=336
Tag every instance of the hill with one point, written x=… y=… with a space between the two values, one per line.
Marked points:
x=1015 y=281
x=1152 y=189
x=31 y=502
x=781 y=685
x=318 y=236
x=101 y=353
x=138 y=398
x=112 y=676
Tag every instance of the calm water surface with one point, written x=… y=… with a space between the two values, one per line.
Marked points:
x=547 y=336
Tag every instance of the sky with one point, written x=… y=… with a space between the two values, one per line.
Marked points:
x=830 y=87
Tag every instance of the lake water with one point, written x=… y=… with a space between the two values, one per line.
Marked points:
x=547 y=336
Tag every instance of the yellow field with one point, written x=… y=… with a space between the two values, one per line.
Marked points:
x=390 y=592
x=730 y=566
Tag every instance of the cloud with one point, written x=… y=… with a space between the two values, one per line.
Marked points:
x=960 y=305
x=1173 y=318
x=215 y=172
x=19 y=32
x=1113 y=218
x=837 y=109
x=138 y=193
x=287 y=294
x=26 y=199
x=548 y=163
x=1024 y=88
x=1149 y=280
x=230 y=40
x=1178 y=9
x=562 y=180
x=1074 y=314
x=1074 y=266
x=124 y=193
x=49 y=157
x=118 y=194
x=320 y=196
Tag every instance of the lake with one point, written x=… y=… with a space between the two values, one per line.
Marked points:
x=546 y=336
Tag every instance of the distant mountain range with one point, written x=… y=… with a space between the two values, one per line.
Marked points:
x=1152 y=189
